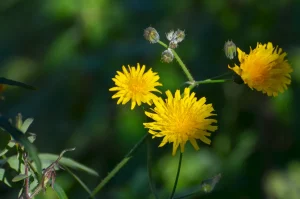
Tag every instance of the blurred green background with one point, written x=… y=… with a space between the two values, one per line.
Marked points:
x=70 y=50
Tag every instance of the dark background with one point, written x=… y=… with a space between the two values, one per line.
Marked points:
x=70 y=50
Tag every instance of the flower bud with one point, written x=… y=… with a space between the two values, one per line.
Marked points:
x=151 y=35
x=167 y=56
x=173 y=44
x=170 y=35
x=179 y=35
x=230 y=49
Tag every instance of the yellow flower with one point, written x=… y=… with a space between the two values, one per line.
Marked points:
x=180 y=119
x=264 y=69
x=135 y=85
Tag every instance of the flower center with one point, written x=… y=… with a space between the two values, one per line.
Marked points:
x=136 y=85
x=185 y=124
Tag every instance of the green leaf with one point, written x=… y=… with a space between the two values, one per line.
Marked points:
x=79 y=180
x=13 y=162
x=32 y=137
x=3 y=152
x=2 y=172
x=67 y=162
x=5 y=140
x=10 y=82
x=19 y=121
x=26 y=125
x=3 y=178
x=19 y=177
x=22 y=139
x=59 y=191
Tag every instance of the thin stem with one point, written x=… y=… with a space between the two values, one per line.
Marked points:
x=116 y=169
x=163 y=44
x=210 y=81
x=149 y=158
x=177 y=176
x=184 y=68
x=37 y=190
x=34 y=171
x=224 y=74
x=26 y=189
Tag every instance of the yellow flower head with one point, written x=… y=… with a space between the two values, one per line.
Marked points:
x=264 y=69
x=135 y=85
x=181 y=118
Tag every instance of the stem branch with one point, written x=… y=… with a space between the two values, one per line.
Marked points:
x=184 y=68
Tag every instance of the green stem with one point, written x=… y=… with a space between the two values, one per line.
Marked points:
x=149 y=166
x=163 y=44
x=210 y=81
x=115 y=170
x=184 y=68
x=224 y=74
x=177 y=176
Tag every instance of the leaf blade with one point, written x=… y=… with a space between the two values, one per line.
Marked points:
x=10 y=82
x=22 y=139
x=68 y=162
x=79 y=181
x=59 y=191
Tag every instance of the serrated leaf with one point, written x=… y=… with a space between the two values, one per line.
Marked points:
x=19 y=177
x=26 y=124
x=10 y=82
x=22 y=139
x=67 y=162
x=59 y=191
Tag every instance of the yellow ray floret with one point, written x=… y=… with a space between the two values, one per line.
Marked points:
x=136 y=85
x=179 y=119
x=264 y=69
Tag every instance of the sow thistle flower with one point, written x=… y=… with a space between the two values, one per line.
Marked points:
x=180 y=119
x=264 y=69
x=136 y=85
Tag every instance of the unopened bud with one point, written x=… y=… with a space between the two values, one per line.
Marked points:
x=151 y=35
x=179 y=35
x=170 y=35
x=209 y=184
x=230 y=49
x=173 y=44
x=167 y=56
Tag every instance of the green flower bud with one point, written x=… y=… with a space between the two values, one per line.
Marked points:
x=151 y=35
x=167 y=56
x=230 y=49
